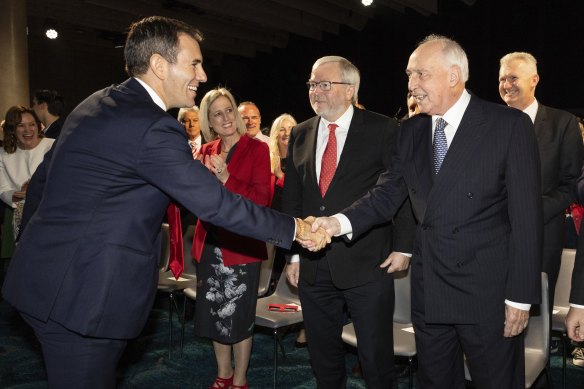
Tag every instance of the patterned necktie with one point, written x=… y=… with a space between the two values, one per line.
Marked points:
x=177 y=259
x=194 y=149
x=329 y=161
x=440 y=145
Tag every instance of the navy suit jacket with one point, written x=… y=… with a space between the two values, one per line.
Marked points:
x=366 y=154
x=88 y=258
x=479 y=236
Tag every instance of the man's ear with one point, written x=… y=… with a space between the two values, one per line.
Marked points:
x=158 y=65
x=454 y=75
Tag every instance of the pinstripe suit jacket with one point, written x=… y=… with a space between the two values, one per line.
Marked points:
x=479 y=236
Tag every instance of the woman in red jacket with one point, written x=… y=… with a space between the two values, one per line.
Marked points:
x=229 y=264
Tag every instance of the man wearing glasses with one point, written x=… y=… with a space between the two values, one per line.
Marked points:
x=335 y=158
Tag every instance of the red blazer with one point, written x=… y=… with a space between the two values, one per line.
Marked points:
x=249 y=176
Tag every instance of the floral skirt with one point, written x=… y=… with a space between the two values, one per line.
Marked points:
x=226 y=298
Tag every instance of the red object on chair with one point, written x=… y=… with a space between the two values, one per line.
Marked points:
x=177 y=257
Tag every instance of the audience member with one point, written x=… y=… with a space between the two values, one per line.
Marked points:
x=93 y=245
x=189 y=118
x=333 y=159
x=575 y=317
x=560 y=150
x=476 y=193
x=23 y=150
x=250 y=114
x=49 y=106
x=229 y=264
x=279 y=136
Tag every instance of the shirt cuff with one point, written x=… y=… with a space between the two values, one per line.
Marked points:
x=346 y=228
x=409 y=255
x=577 y=306
x=294 y=258
x=523 y=307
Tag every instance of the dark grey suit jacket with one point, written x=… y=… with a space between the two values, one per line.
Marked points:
x=478 y=241
x=577 y=291
x=366 y=154
x=561 y=153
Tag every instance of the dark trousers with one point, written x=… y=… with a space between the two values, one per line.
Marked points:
x=371 y=309
x=75 y=361
x=494 y=362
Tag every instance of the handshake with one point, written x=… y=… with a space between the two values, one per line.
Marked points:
x=315 y=233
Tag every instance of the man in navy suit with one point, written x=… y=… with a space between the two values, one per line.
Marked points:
x=471 y=169
x=85 y=271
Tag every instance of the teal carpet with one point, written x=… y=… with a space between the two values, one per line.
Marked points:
x=145 y=363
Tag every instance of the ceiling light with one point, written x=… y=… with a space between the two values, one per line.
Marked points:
x=51 y=33
x=366 y=3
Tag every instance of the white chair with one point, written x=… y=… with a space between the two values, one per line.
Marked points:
x=537 y=340
x=404 y=342
x=168 y=284
x=284 y=294
x=562 y=304
x=266 y=271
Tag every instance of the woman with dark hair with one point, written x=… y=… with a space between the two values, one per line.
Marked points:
x=229 y=264
x=22 y=151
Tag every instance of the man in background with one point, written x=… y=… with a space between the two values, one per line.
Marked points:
x=250 y=114
x=49 y=107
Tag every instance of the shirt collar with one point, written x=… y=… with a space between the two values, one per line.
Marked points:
x=152 y=94
x=344 y=121
x=531 y=110
x=454 y=115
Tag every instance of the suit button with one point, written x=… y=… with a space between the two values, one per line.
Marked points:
x=413 y=190
x=322 y=208
x=426 y=227
x=470 y=195
x=459 y=264
x=455 y=231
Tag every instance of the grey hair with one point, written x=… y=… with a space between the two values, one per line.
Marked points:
x=452 y=52
x=183 y=111
x=521 y=56
x=349 y=72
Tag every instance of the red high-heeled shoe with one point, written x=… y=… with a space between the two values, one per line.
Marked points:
x=222 y=383
x=239 y=386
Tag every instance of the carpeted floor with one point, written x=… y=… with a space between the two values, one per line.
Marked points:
x=145 y=363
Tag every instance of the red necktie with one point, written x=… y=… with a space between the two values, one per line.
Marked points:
x=177 y=257
x=329 y=161
x=194 y=150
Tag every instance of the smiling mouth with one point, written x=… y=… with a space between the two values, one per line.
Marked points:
x=192 y=88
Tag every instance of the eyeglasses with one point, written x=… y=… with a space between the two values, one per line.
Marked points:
x=324 y=85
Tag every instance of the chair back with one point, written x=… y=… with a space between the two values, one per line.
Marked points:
x=164 y=248
x=266 y=270
x=286 y=291
x=537 y=335
x=562 y=291
x=402 y=308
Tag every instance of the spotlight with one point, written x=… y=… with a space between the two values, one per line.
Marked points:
x=366 y=3
x=51 y=33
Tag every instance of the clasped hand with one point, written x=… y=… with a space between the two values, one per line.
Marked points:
x=315 y=233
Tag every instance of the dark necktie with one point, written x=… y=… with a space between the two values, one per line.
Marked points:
x=440 y=145
x=329 y=161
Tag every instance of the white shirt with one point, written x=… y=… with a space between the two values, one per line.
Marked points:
x=152 y=94
x=531 y=110
x=264 y=138
x=341 y=132
x=18 y=167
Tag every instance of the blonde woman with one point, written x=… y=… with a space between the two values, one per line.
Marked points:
x=229 y=264
x=279 y=135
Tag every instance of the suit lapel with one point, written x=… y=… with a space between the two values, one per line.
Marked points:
x=311 y=136
x=468 y=137
x=356 y=129
x=422 y=147
x=540 y=119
